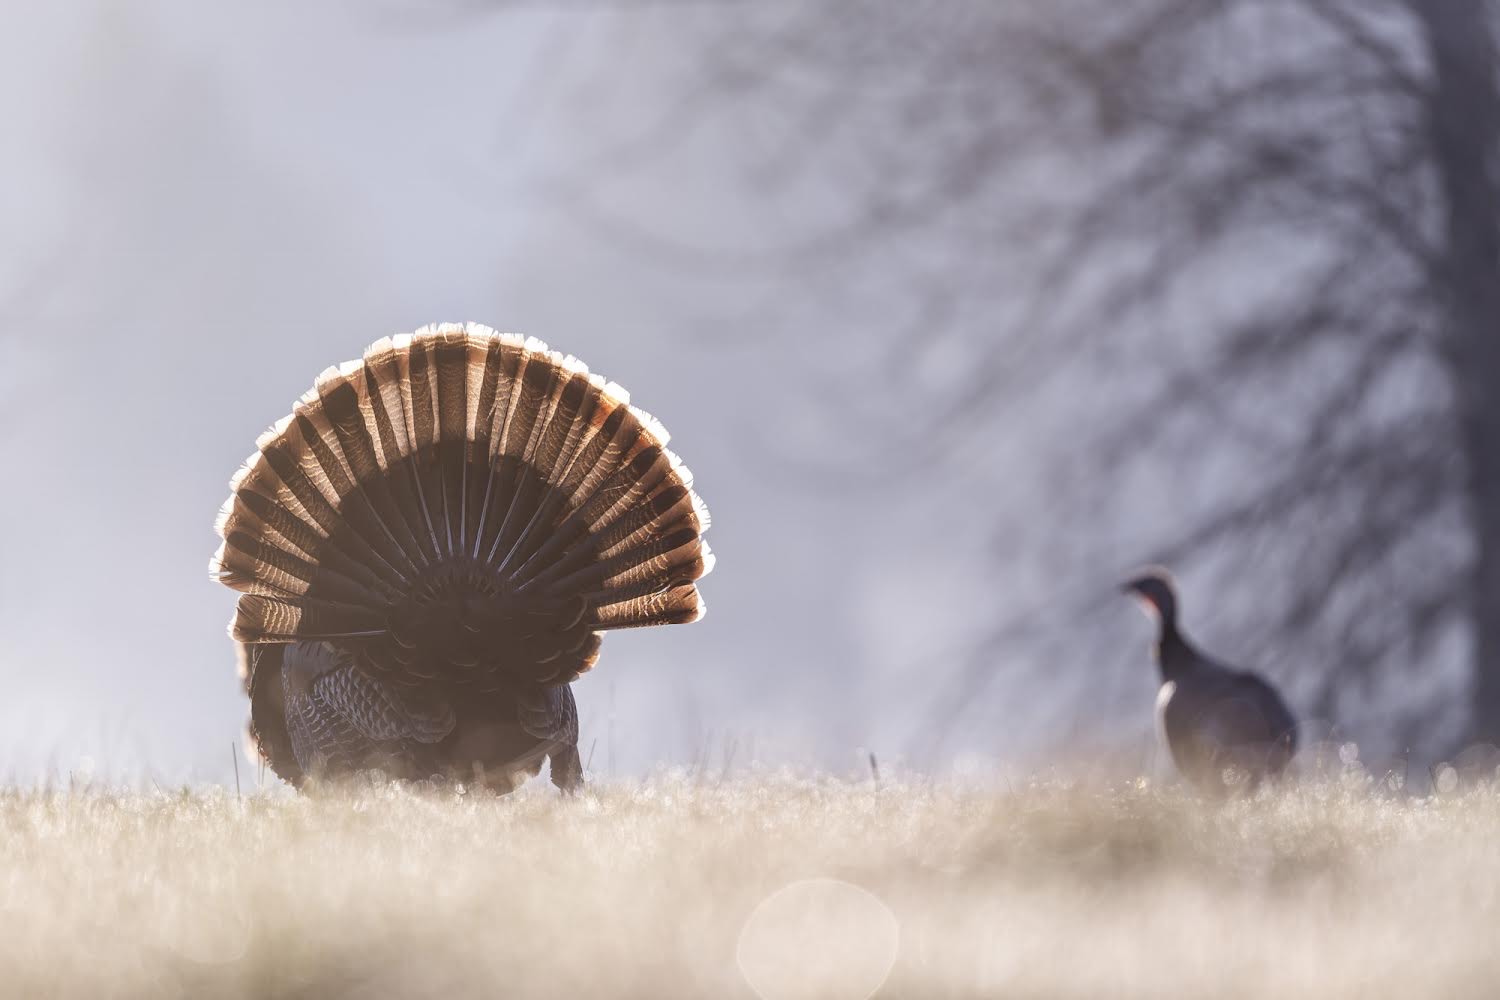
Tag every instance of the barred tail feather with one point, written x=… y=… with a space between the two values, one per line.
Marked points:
x=477 y=503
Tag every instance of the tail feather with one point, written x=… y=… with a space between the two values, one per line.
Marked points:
x=602 y=576
x=321 y=447
x=298 y=483
x=469 y=491
x=600 y=452
x=482 y=394
x=381 y=400
x=503 y=364
x=450 y=367
x=645 y=580
x=349 y=406
x=267 y=525
x=288 y=574
x=533 y=410
x=415 y=383
x=541 y=500
x=669 y=508
x=270 y=619
x=631 y=483
x=674 y=606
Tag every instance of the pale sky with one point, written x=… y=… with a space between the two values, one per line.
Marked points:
x=204 y=209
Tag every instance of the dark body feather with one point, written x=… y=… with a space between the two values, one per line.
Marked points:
x=1216 y=720
x=428 y=549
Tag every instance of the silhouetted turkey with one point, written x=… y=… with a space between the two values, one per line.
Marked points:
x=1225 y=728
x=429 y=547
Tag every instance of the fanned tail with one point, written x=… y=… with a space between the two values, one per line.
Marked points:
x=469 y=505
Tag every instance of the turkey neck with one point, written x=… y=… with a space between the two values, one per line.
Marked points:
x=1175 y=656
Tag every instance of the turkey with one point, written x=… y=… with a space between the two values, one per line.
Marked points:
x=1226 y=729
x=428 y=548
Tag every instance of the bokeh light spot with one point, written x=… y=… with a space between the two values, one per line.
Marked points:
x=818 y=938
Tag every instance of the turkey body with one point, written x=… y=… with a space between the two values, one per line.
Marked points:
x=317 y=710
x=429 y=548
x=1226 y=729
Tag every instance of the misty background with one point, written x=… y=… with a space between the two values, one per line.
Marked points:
x=958 y=312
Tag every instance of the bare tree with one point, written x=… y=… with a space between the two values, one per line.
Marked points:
x=1280 y=213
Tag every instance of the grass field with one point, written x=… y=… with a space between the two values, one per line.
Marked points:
x=808 y=888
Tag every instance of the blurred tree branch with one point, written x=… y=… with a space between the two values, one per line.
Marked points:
x=1279 y=216
x=1115 y=163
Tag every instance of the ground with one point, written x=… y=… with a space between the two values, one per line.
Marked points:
x=675 y=887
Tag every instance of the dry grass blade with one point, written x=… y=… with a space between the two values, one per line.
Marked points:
x=645 y=890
